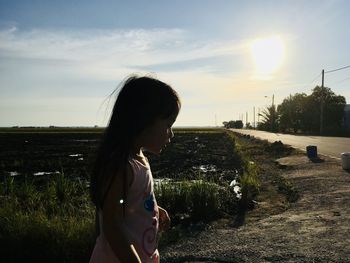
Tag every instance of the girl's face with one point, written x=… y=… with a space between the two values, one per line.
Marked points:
x=156 y=136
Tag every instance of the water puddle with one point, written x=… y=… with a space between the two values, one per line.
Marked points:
x=45 y=173
x=86 y=140
x=14 y=173
x=76 y=155
x=205 y=168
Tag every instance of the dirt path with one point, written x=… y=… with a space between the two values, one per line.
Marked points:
x=315 y=229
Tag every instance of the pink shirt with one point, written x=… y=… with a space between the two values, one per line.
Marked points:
x=141 y=219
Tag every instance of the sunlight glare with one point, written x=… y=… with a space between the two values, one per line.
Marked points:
x=268 y=55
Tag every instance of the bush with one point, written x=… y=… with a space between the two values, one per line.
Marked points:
x=196 y=200
x=36 y=224
x=33 y=237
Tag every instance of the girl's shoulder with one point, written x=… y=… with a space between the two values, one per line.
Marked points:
x=140 y=161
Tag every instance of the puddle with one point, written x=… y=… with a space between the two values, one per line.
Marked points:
x=92 y=140
x=79 y=155
x=45 y=173
x=76 y=155
x=205 y=168
x=14 y=173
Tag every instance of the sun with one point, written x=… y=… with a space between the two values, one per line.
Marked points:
x=268 y=55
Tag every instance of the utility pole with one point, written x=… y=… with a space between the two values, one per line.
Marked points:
x=321 y=104
x=246 y=119
x=254 y=117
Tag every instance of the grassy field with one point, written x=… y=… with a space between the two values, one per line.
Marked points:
x=45 y=210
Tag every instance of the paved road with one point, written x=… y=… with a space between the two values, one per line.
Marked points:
x=331 y=146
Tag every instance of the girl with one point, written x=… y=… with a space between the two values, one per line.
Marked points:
x=127 y=214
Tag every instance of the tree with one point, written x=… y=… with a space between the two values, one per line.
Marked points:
x=239 y=124
x=291 y=112
x=233 y=124
x=269 y=119
x=333 y=109
x=248 y=126
x=302 y=112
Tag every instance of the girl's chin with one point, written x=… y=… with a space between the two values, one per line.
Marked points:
x=155 y=151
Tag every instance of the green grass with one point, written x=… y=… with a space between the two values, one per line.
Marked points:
x=54 y=219
x=34 y=236
x=196 y=200
x=285 y=187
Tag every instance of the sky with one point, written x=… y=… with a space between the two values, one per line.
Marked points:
x=60 y=60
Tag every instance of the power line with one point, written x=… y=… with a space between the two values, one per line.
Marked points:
x=337 y=69
x=315 y=78
x=340 y=81
x=312 y=80
x=329 y=71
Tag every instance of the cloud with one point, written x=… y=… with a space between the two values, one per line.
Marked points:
x=111 y=49
x=211 y=76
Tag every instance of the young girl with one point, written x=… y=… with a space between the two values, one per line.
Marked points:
x=127 y=214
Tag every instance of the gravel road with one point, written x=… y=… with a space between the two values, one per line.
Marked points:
x=315 y=229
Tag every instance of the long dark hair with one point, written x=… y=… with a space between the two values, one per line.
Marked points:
x=140 y=101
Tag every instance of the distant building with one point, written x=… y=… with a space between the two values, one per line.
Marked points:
x=347 y=116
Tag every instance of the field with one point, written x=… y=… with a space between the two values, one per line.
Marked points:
x=46 y=152
x=227 y=198
x=44 y=183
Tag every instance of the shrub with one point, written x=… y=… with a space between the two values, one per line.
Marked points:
x=249 y=185
x=34 y=237
x=197 y=200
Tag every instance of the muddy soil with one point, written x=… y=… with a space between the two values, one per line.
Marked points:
x=189 y=154
x=316 y=228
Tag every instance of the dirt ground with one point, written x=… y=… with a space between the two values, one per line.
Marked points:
x=316 y=228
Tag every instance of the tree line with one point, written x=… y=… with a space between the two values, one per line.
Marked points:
x=320 y=112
